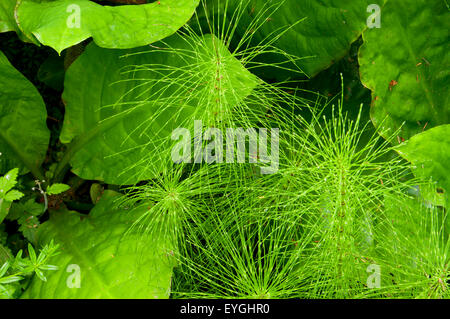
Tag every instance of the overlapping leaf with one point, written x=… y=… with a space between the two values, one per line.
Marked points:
x=430 y=153
x=110 y=262
x=324 y=35
x=63 y=23
x=24 y=135
x=7 y=22
x=407 y=66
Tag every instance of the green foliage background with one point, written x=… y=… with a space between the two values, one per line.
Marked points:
x=86 y=116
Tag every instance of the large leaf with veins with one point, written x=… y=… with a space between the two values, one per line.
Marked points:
x=63 y=23
x=24 y=135
x=111 y=262
x=407 y=66
x=122 y=106
x=7 y=22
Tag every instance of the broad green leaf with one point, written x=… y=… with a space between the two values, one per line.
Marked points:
x=120 y=123
x=7 y=22
x=324 y=35
x=63 y=23
x=111 y=261
x=407 y=66
x=429 y=152
x=24 y=135
x=57 y=189
x=5 y=254
x=7 y=194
